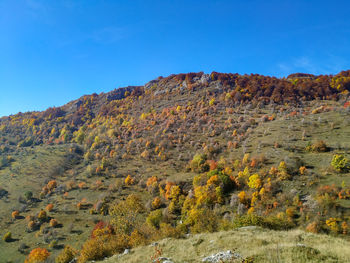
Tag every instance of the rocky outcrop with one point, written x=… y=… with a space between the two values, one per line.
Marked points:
x=222 y=257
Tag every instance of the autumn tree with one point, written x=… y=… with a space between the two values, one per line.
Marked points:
x=126 y=215
x=37 y=255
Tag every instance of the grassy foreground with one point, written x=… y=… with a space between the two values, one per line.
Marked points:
x=257 y=244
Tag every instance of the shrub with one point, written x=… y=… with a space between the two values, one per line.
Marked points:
x=52 y=184
x=126 y=215
x=199 y=164
x=254 y=181
x=302 y=170
x=154 y=218
x=340 y=163
x=15 y=214
x=7 y=237
x=156 y=203
x=202 y=220
x=129 y=180
x=272 y=222
x=42 y=216
x=67 y=255
x=28 y=195
x=332 y=224
x=37 y=255
x=319 y=146
x=53 y=222
x=313 y=227
x=101 y=247
x=242 y=197
x=49 y=207
x=248 y=220
x=101 y=229
x=168 y=231
x=31 y=225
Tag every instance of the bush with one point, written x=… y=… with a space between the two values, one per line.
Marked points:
x=154 y=218
x=42 y=216
x=67 y=255
x=340 y=163
x=37 y=255
x=156 y=203
x=53 y=222
x=313 y=227
x=127 y=215
x=199 y=164
x=101 y=247
x=248 y=220
x=129 y=180
x=28 y=195
x=272 y=222
x=319 y=146
x=202 y=220
x=49 y=207
x=168 y=231
x=15 y=214
x=7 y=237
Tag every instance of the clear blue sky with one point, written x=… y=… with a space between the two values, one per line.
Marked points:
x=53 y=51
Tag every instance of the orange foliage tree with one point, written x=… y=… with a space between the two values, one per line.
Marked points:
x=37 y=255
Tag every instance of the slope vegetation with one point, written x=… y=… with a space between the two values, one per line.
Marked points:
x=188 y=153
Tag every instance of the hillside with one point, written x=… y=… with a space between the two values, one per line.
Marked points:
x=247 y=243
x=188 y=153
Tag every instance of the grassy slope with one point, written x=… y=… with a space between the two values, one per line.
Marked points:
x=33 y=165
x=261 y=244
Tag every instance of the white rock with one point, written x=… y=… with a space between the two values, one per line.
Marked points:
x=221 y=256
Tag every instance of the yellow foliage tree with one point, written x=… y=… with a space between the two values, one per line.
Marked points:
x=126 y=215
x=254 y=181
x=129 y=180
x=242 y=197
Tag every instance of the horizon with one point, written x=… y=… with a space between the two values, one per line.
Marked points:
x=54 y=53
x=102 y=92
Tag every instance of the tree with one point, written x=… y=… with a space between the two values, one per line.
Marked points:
x=42 y=216
x=254 y=181
x=37 y=255
x=155 y=218
x=129 y=180
x=340 y=163
x=126 y=215
x=199 y=164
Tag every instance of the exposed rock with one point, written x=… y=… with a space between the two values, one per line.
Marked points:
x=205 y=79
x=154 y=244
x=221 y=256
x=163 y=260
x=150 y=84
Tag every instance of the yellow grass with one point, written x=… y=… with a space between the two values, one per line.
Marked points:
x=261 y=244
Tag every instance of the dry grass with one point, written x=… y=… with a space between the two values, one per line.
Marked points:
x=261 y=244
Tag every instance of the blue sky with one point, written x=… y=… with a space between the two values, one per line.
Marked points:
x=54 y=51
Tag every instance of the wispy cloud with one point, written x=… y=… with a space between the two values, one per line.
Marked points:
x=329 y=64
